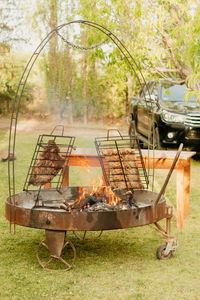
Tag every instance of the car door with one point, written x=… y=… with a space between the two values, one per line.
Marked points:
x=143 y=110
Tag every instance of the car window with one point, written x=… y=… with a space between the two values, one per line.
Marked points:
x=175 y=92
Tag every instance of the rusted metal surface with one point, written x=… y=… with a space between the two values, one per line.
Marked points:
x=55 y=241
x=59 y=219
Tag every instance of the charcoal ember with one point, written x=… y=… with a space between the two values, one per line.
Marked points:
x=102 y=200
x=100 y=206
x=125 y=206
x=80 y=204
x=47 y=166
x=130 y=199
x=92 y=199
x=109 y=207
x=87 y=201
x=94 y=207
x=126 y=196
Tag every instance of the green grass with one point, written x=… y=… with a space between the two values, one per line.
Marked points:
x=119 y=265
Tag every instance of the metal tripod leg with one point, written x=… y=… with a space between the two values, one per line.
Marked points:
x=55 y=242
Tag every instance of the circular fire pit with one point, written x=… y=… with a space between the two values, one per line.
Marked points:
x=54 y=209
x=53 y=218
x=21 y=210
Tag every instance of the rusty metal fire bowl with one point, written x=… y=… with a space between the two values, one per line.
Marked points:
x=51 y=218
x=21 y=210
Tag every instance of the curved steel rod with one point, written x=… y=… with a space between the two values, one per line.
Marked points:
x=28 y=68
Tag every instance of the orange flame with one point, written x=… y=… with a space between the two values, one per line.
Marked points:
x=99 y=191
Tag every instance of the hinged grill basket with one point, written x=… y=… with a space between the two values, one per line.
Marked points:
x=122 y=165
x=51 y=155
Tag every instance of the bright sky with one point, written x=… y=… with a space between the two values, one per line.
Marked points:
x=19 y=18
x=22 y=35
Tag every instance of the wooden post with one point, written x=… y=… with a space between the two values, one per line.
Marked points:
x=65 y=181
x=180 y=196
x=186 y=186
x=47 y=185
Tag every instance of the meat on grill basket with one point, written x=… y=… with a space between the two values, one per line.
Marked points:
x=47 y=165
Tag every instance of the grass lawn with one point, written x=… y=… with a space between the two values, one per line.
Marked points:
x=119 y=265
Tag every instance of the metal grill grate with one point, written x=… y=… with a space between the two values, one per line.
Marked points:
x=51 y=154
x=123 y=166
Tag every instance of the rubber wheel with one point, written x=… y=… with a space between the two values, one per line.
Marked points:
x=160 y=253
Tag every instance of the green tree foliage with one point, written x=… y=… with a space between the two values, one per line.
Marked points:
x=162 y=36
x=11 y=67
x=11 y=64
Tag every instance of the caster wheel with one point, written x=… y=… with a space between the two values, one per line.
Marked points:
x=160 y=253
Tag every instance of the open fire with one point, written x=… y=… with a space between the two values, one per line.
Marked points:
x=101 y=198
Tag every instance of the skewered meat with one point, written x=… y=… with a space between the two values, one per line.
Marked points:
x=47 y=165
x=123 y=167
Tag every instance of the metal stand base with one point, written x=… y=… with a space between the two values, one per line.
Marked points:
x=55 y=242
x=170 y=245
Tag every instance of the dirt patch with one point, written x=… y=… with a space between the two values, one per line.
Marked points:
x=77 y=129
x=4 y=123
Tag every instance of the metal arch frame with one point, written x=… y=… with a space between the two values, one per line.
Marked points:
x=20 y=89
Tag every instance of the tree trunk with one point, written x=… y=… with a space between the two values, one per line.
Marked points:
x=97 y=105
x=69 y=65
x=84 y=69
x=8 y=105
x=69 y=82
x=52 y=56
x=129 y=92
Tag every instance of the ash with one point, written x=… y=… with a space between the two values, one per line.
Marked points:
x=100 y=206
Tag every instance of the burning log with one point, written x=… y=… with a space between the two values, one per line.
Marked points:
x=102 y=198
x=47 y=166
x=80 y=204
